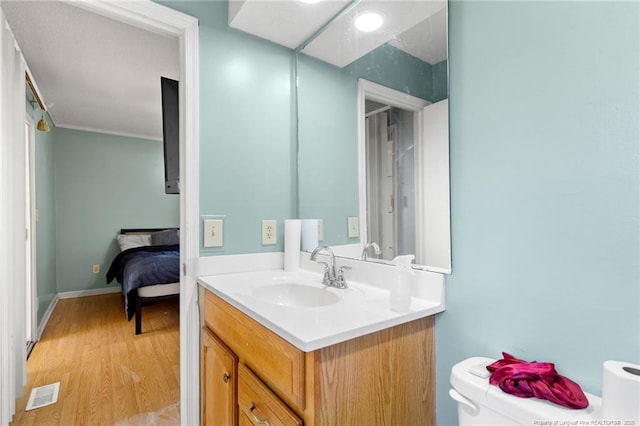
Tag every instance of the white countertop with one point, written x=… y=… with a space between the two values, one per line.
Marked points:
x=361 y=309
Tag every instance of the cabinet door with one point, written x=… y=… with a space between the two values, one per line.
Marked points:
x=260 y=406
x=219 y=382
x=276 y=361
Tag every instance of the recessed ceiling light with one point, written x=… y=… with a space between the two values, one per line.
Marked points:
x=368 y=22
x=310 y=1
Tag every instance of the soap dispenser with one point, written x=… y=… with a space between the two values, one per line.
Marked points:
x=400 y=295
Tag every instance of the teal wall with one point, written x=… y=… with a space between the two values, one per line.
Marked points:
x=247 y=167
x=544 y=187
x=45 y=226
x=391 y=67
x=104 y=183
x=328 y=147
x=46 y=223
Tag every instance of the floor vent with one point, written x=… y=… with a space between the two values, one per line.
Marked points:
x=43 y=396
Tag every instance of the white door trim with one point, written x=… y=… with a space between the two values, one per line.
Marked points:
x=394 y=98
x=160 y=19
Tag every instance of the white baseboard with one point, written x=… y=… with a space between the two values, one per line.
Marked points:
x=89 y=292
x=47 y=315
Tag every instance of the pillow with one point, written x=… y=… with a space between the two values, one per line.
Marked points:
x=167 y=237
x=128 y=241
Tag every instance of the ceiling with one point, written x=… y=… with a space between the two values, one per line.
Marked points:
x=94 y=73
x=417 y=27
x=98 y=74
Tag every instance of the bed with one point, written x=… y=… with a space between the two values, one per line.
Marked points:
x=147 y=267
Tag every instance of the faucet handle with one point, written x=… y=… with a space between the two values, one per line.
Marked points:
x=326 y=278
x=340 y=281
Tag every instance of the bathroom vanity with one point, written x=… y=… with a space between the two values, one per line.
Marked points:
x=282 y=357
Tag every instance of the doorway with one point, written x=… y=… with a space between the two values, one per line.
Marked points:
x=156 y=18
x=390 y=214
x=31 y=311
x=430 y=152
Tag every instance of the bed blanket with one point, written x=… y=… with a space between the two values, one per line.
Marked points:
x=143 y=266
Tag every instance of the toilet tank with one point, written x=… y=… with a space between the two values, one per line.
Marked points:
x=480 y=403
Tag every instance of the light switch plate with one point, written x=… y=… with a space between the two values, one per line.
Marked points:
x=353 y=228
x=213 y=233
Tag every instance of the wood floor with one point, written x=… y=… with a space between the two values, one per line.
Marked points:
x=107 y=374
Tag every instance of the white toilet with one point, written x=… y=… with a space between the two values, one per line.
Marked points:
x=480 y=403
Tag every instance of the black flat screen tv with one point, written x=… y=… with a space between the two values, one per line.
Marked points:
x=171 y=135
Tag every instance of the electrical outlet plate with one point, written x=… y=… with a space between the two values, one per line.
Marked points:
x=95 y=269
x=269 y=232
x=353 y=228
x=213 y=233
x=320 y=230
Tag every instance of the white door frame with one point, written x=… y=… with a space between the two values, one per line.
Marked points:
x=160 y=19
x=431 y=160
x=394 y=98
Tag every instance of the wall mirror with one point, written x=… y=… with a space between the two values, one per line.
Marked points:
x=372 y=109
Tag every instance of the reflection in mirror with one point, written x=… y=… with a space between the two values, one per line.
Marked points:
x=363 y=159
x=390 y=183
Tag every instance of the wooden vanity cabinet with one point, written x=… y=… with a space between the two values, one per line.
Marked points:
x=382 y=378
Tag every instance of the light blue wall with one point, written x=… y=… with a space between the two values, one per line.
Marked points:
x=247 y=167
x=45 y=225
x=104 y=183
x=544 y=187
x=392 y=67
x=328 y=147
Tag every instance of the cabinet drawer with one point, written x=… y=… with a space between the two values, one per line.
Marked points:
x=278 y=363
x=258 y=405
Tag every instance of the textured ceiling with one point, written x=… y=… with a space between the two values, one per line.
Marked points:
x=285 y=22
x=341 y=43
x=94 y=73
x=416 y=26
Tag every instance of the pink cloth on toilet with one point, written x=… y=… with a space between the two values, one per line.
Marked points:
x=540 y=379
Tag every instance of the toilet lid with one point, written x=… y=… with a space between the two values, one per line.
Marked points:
x=521 y=410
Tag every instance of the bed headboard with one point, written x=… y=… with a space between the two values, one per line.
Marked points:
x=145 y=230
x=139 y=237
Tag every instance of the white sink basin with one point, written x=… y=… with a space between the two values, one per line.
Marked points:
x=295 y=295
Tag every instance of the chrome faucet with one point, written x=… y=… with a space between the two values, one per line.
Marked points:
x=330 y=277
x=365 y=250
